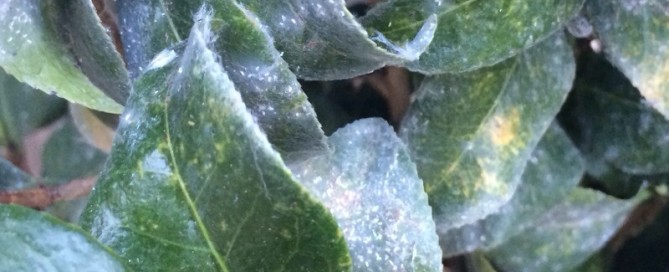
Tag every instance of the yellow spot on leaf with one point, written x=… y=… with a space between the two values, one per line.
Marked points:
x=504 y=128
x=654 y=85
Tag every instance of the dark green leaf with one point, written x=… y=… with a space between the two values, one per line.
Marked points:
x=11 y=177
x=634 y=35
x=371 y=187
x=476 y=33
x=638 y=143
x=554 y=169
x=32 y=50
x=566 y=235
x=269 y=89
x=471 y=134
x=16 y=118
x=34 y=241
x=193 y=184
x=90 y=45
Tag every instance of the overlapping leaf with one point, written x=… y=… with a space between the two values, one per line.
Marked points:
x=371 y=187
x=471 y=134
x=475 y=33
x=553 y=171
x=38 y=242
x=193 y=184
x=32 y=50
x=269 y=90
x=635 y=36
x=81 y=30
x=638 y=143
x=16 y=118
x=322 y=40
x=565 y=236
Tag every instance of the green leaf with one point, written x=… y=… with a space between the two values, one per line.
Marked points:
x=16 y=119
x=322 y=40
x=554 y=169
x=269 y=89
x=149 y=26
x=566 y=235
x=638 y=142
x=193 y=184
x=634 y=35
x=32 y=50
x=68 y=156
x=476 y=33
x=371 y=187
x=13 y=178
x=91 y=46
x=35 y=241
x=471 y=134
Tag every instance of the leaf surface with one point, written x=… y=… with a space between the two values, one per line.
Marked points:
x=322 y=40
x=566 y=235
x=38 y=242
x=554 y=169
x=638 y=142
x=634 y=36
x=32 y=50
x=87 y=40
x=268 y=87
x=16 y=119
x=474 y=33
x=12 y=178
x=193 y=184
x=371 y=187
x=471 y=134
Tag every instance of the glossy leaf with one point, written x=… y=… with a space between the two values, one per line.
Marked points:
x=193 y=184
x=476 y=33
x=554 y=169
x=16 y=119
x=566 y=235
x=91 y=46
x=38 y=242
x=32 y=50
x=471 y=134
x=634 y=36
x=269 y=89
x=322 y=40
x=371 y=187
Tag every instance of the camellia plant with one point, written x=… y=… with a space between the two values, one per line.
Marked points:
x=518 y=135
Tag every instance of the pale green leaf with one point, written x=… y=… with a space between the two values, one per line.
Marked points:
x=566 y=235
x=38 y=242
x=471 y=134
x=554 y=169
x=371 y=187
x=32 y=50
x=193 y=184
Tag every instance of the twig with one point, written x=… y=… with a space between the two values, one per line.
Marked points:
x=44 y=196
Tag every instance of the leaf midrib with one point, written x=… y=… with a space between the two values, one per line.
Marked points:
x=189 y=200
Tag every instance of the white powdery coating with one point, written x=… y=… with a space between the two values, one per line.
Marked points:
x=372 y=189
